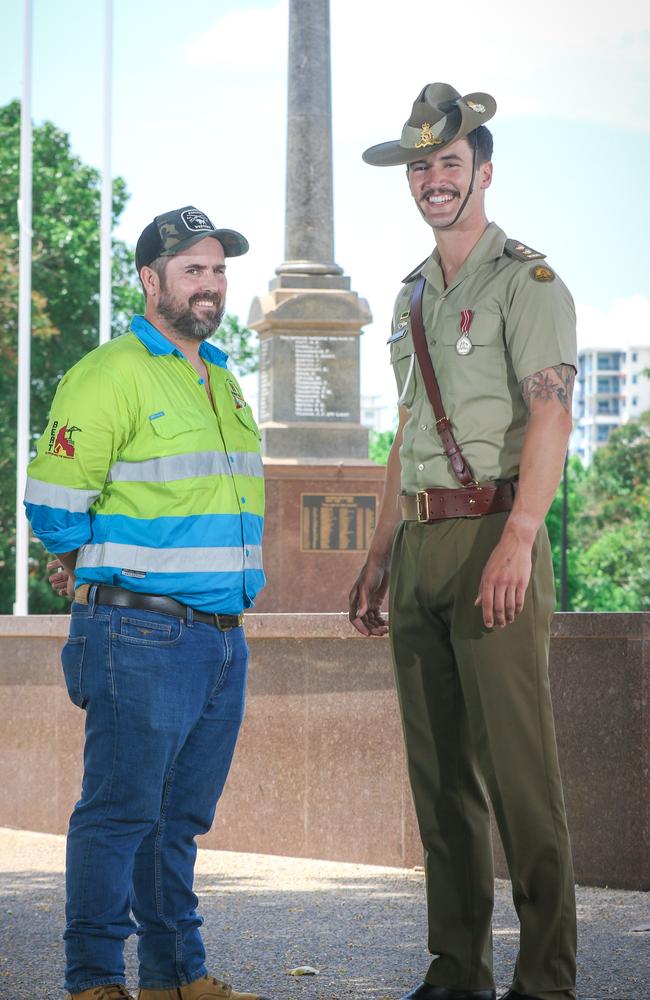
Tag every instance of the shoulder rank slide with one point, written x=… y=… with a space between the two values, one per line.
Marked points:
x=519 y=251
x=415 y=273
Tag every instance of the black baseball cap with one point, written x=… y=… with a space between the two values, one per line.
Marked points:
x=175 y=231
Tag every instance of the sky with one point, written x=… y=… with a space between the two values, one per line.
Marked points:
x=199 y=117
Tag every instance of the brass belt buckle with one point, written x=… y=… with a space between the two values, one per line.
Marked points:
x=422 y=506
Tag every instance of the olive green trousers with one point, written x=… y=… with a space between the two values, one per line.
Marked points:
x=477 y=717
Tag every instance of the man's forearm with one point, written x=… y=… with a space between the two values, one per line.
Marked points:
x=388 y=516
x=540 y=471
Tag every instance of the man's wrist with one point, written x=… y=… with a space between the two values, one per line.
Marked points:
x=68 y=560
x=379 y=555
x=522 y=527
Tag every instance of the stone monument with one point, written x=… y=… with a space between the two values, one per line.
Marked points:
x=322 y=490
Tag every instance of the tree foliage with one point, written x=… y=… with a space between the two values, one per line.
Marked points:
x=65 y=303
x=65 y=298
x=240 y=344
x=613 y=533
x=379 y=445
x=608 y=524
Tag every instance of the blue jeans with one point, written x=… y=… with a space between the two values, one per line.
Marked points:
x=164 y=700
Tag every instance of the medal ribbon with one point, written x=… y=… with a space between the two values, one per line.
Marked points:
x=466 y=317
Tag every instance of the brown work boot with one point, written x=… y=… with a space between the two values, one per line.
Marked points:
x=205 y=988
x=112 y=991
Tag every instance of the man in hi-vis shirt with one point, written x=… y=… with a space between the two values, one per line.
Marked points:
x=148 y=486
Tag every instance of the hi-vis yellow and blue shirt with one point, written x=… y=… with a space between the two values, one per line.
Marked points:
x=161 y=493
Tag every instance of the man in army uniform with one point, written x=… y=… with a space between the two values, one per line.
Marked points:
x=471 y=596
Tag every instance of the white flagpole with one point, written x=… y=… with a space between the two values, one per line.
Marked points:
x=105 y=254
x=21 y=605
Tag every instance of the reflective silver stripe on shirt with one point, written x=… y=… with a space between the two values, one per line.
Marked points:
x=60 y=497
x=191 y=465
x=212 y=559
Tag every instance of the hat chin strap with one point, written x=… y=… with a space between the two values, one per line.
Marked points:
x=460 y=211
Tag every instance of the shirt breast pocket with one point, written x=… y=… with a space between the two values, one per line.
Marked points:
x=485 y=362
x=486 y=331
x=403 y=360
x=175 y=425
x=245 y=416
x=188 y=451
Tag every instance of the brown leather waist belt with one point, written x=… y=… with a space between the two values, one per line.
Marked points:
x=435 y=504
x=155 y=602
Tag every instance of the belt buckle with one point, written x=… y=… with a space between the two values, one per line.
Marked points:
x=422 y=506
x=228 y=628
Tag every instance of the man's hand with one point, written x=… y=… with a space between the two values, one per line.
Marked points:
x=61 y=580
x=366 y=598
x=504 y=581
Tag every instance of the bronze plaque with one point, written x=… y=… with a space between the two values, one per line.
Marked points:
x=334 y=522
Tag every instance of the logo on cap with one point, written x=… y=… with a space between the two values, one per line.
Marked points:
x=196 y=222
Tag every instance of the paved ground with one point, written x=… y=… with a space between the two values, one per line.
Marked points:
x=362 y=927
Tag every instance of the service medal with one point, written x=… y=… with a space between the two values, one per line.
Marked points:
x=464 y=344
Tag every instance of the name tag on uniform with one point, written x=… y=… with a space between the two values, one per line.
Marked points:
x=400 y=332
x=402 y=327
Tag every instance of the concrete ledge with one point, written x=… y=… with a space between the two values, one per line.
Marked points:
x=319 y=769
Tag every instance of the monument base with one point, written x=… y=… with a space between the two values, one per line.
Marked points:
x=319 y=522
x=306 y=441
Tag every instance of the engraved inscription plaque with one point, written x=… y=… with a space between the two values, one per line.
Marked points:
x=308 y=378
x=337 y=522
x=265 y=380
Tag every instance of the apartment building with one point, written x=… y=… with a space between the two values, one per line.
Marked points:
x=611 y=389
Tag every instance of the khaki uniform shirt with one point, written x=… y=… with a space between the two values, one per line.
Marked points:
x=523 y=321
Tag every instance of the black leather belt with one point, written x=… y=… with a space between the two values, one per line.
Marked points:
x=154 y=602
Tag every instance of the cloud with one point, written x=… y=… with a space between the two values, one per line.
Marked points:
x=625 y=324
x=599 y=57
x=243 y=40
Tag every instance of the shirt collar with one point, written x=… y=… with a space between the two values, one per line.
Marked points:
x=489 y=246
x=157 y=343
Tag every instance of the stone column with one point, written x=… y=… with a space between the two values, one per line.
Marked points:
x=310 y=322
x=309 y=232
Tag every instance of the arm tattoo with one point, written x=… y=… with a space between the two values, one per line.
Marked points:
x=550 y=383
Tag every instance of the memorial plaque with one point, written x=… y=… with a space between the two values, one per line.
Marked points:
x=335 y=522
x=266 y=402
x=309 y=378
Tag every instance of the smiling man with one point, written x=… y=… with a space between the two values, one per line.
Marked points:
x=483 y=348
x=155 y=509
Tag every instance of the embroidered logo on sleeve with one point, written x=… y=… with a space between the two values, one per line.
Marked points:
x=61 y=444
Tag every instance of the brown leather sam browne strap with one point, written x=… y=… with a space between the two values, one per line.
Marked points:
x=461 y=469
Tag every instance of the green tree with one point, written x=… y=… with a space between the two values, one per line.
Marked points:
x=575 y=474
x=613 y=562
x=65 y=299
x=65 y=303
x=379 y=445
x=240 y=344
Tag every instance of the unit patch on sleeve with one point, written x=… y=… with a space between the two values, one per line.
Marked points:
x=541 y=273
